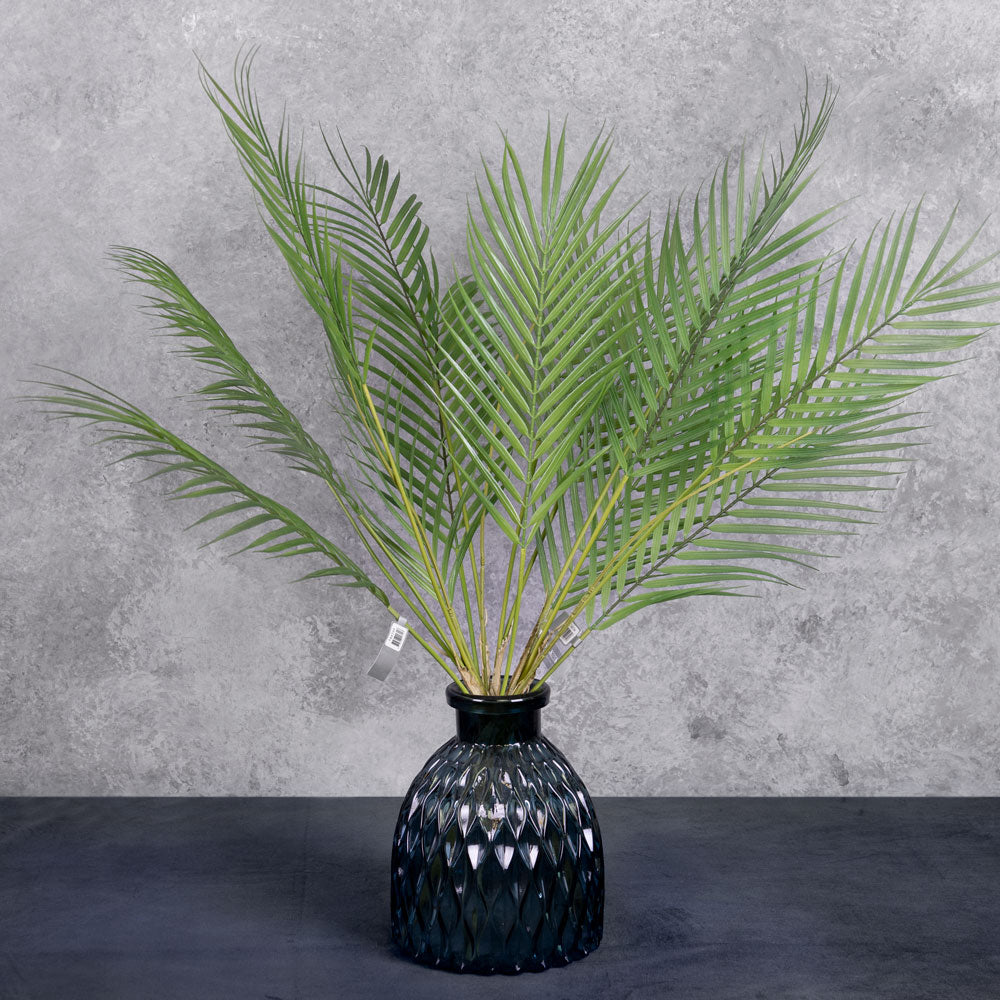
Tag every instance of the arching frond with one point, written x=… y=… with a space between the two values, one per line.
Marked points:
x=642 y=414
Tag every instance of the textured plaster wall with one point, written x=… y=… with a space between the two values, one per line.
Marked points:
x=133 y=662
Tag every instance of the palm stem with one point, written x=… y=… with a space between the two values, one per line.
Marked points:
x=460 y=651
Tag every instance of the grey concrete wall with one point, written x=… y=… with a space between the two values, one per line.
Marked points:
x=133 y=662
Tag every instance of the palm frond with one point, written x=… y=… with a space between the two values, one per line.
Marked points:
x=693 y=328
x=643 y=416
x=241 y=392
x=527 y=365
x=245 y=395
x=833 y=384
x=379 y=236
x=292 y=536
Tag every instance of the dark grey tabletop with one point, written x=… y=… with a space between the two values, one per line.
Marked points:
x=287 y=899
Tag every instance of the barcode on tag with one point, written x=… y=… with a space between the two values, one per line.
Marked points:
x=388 y=652
x=397 y=636
x=570 y=636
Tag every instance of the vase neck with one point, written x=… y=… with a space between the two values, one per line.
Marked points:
x=498 y=719
x=499 y=729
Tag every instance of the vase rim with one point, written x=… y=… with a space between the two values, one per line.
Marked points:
x=497 y=704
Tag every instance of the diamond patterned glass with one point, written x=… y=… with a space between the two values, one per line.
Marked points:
x=497 y=860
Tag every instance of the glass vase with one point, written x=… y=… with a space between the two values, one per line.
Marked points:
x=497 y=860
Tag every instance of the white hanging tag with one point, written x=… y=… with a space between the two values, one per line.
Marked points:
x=389 y=653
x=569 y=638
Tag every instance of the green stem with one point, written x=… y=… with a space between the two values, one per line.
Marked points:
x=462 y=656
x=426 y=618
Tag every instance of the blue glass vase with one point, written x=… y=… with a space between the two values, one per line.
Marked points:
x=497 y=860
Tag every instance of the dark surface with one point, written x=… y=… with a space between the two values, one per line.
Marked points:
x=287 y=899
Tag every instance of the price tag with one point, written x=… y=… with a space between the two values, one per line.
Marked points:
x=389 y=653
x=569 y=638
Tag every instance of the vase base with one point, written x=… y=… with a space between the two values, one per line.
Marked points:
x=494 y=967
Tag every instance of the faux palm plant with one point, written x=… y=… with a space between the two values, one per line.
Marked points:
x=623 y=411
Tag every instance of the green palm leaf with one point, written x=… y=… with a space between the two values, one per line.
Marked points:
x=381 y=239
x=641 y=416
x=205 y=478
x=837 y=398
x=526 y=367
